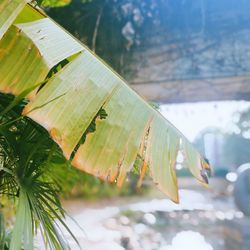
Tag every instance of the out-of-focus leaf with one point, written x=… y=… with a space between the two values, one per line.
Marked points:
x=54 y=3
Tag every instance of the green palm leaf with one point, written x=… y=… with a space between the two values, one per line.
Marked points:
x=72 y=98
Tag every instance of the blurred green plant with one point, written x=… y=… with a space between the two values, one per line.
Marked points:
x=53 y=3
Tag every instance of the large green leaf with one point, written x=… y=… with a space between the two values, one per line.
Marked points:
x=162 y=147
x=22 y=65
x=110 y=152
x=29 y=50
x=53 y=43
x=84 y=85
x=8 y=13
x=72 y=98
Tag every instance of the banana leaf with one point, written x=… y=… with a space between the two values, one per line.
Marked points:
x=67 y=102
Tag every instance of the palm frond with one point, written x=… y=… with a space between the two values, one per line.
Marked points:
x=25 y=178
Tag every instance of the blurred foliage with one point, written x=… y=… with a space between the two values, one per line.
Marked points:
x=77 y=184
x=53 y=3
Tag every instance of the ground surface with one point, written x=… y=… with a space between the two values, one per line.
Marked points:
x=146 y=223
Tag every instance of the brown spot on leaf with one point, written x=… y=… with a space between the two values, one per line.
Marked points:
x=56 y=135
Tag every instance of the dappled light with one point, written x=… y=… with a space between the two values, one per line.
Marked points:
x=191 y=239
